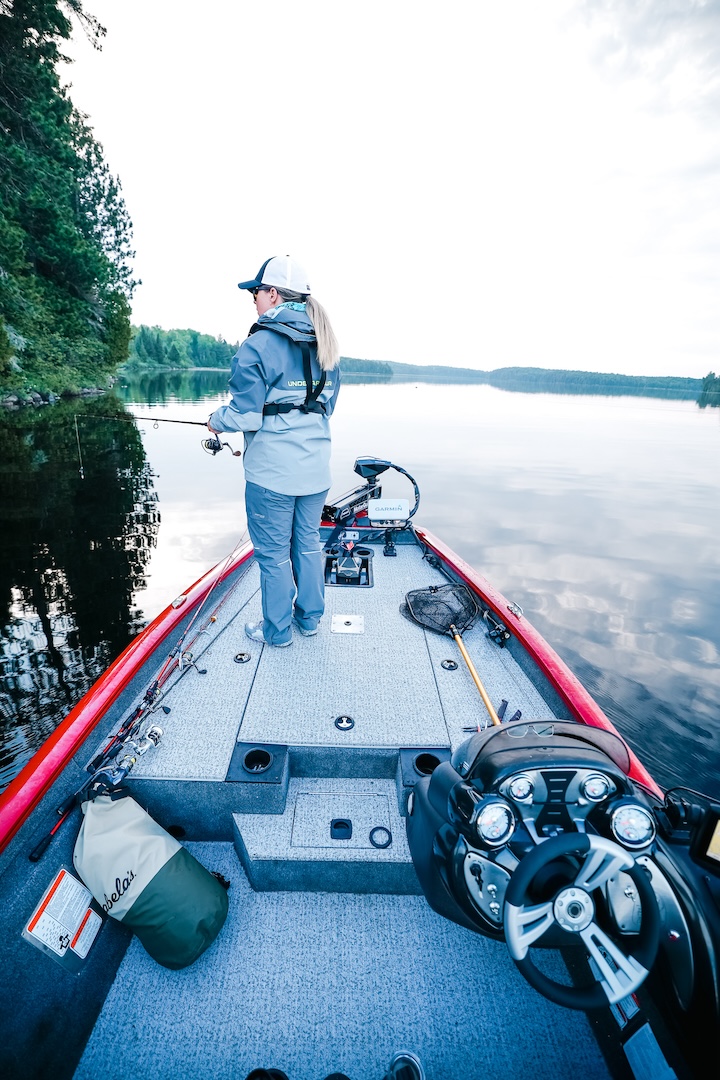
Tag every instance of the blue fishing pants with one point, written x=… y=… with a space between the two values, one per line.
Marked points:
x=285 y=531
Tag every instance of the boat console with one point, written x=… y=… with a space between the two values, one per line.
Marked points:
x=534 y=834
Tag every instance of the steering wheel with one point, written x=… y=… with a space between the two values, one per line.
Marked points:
x=573 y=909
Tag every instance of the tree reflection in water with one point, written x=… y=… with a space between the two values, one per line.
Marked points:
x=164 y=387
x=79 y=516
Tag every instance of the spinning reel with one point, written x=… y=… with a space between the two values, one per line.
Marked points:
x=214 y=446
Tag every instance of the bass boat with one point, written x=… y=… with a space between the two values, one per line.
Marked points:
x=414 y=830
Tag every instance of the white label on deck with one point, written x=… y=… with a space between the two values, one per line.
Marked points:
x=64 y=919
x=348 y=624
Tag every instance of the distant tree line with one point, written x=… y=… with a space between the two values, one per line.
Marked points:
x=151 y=347
x=710 y=391
x=65 y=233
x=530 y=380
x=377 y=370
x=542 y=380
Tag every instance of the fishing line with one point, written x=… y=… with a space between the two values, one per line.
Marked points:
x=152 y=419
x=212 y=445
x=77 y=436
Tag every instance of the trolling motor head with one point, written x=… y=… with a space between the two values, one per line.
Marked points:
x=369 y=468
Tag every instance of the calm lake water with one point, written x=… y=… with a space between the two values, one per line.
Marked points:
x=599 y=516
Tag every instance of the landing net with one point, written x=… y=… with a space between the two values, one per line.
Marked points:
x=441 y=606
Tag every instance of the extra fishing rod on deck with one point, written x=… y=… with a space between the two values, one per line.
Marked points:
x=121 y=750
x=210 y=446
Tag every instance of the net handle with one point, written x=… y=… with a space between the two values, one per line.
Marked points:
x=476 y=678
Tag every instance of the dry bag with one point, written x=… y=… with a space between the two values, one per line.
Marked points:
x=145 y=879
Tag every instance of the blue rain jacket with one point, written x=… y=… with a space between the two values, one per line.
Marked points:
x=290 y=452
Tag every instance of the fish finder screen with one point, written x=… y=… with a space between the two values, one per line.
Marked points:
x=712 y=851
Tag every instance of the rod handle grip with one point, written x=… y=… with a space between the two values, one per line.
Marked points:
x=41 y=847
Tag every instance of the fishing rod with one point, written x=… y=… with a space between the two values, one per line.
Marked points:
x=129 y=419
x=102 y=781
x=210 y=446
x=106 y=776
x=103 y=775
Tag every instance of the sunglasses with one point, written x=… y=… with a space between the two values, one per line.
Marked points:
x=259 y=289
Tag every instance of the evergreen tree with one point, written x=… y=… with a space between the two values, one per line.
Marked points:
x=158 y=349
x=65 y=234
x=710 y=391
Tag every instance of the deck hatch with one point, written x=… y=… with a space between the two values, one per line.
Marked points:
x=315 y=812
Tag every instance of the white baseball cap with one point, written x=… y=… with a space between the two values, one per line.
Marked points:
x=282 y=272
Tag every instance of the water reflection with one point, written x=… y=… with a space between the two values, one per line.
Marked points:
x=166 y=387
x=79 y=519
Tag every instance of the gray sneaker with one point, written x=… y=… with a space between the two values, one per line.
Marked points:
x=301 y=629
x=405 y=1066
x=254 y=630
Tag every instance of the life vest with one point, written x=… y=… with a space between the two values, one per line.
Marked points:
x=306 y=342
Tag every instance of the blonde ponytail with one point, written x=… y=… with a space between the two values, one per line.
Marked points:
x=328 y=349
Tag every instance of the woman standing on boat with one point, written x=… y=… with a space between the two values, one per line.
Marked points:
x=284 y=384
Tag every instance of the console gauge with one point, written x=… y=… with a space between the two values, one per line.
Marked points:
x=632 y=825
x=521 y=788
x=596 y=787
x=495 y=823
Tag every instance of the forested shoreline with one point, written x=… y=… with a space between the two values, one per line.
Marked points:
x=153 y=349
x=65 y=233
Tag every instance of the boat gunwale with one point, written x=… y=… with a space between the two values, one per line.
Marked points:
x=26 y=790
x=583 y=706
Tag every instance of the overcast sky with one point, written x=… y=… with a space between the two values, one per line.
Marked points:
x=478 y=184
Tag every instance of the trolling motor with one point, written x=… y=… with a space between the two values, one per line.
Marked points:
x=346 y=564
x=353 y=502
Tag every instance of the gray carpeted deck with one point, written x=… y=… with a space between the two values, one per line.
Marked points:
x=330 y=961
x=389 y=679
x=314 y=983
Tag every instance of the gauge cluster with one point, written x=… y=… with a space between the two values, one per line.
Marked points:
x=501 y=825
x=549 y=802
x=535 y=804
